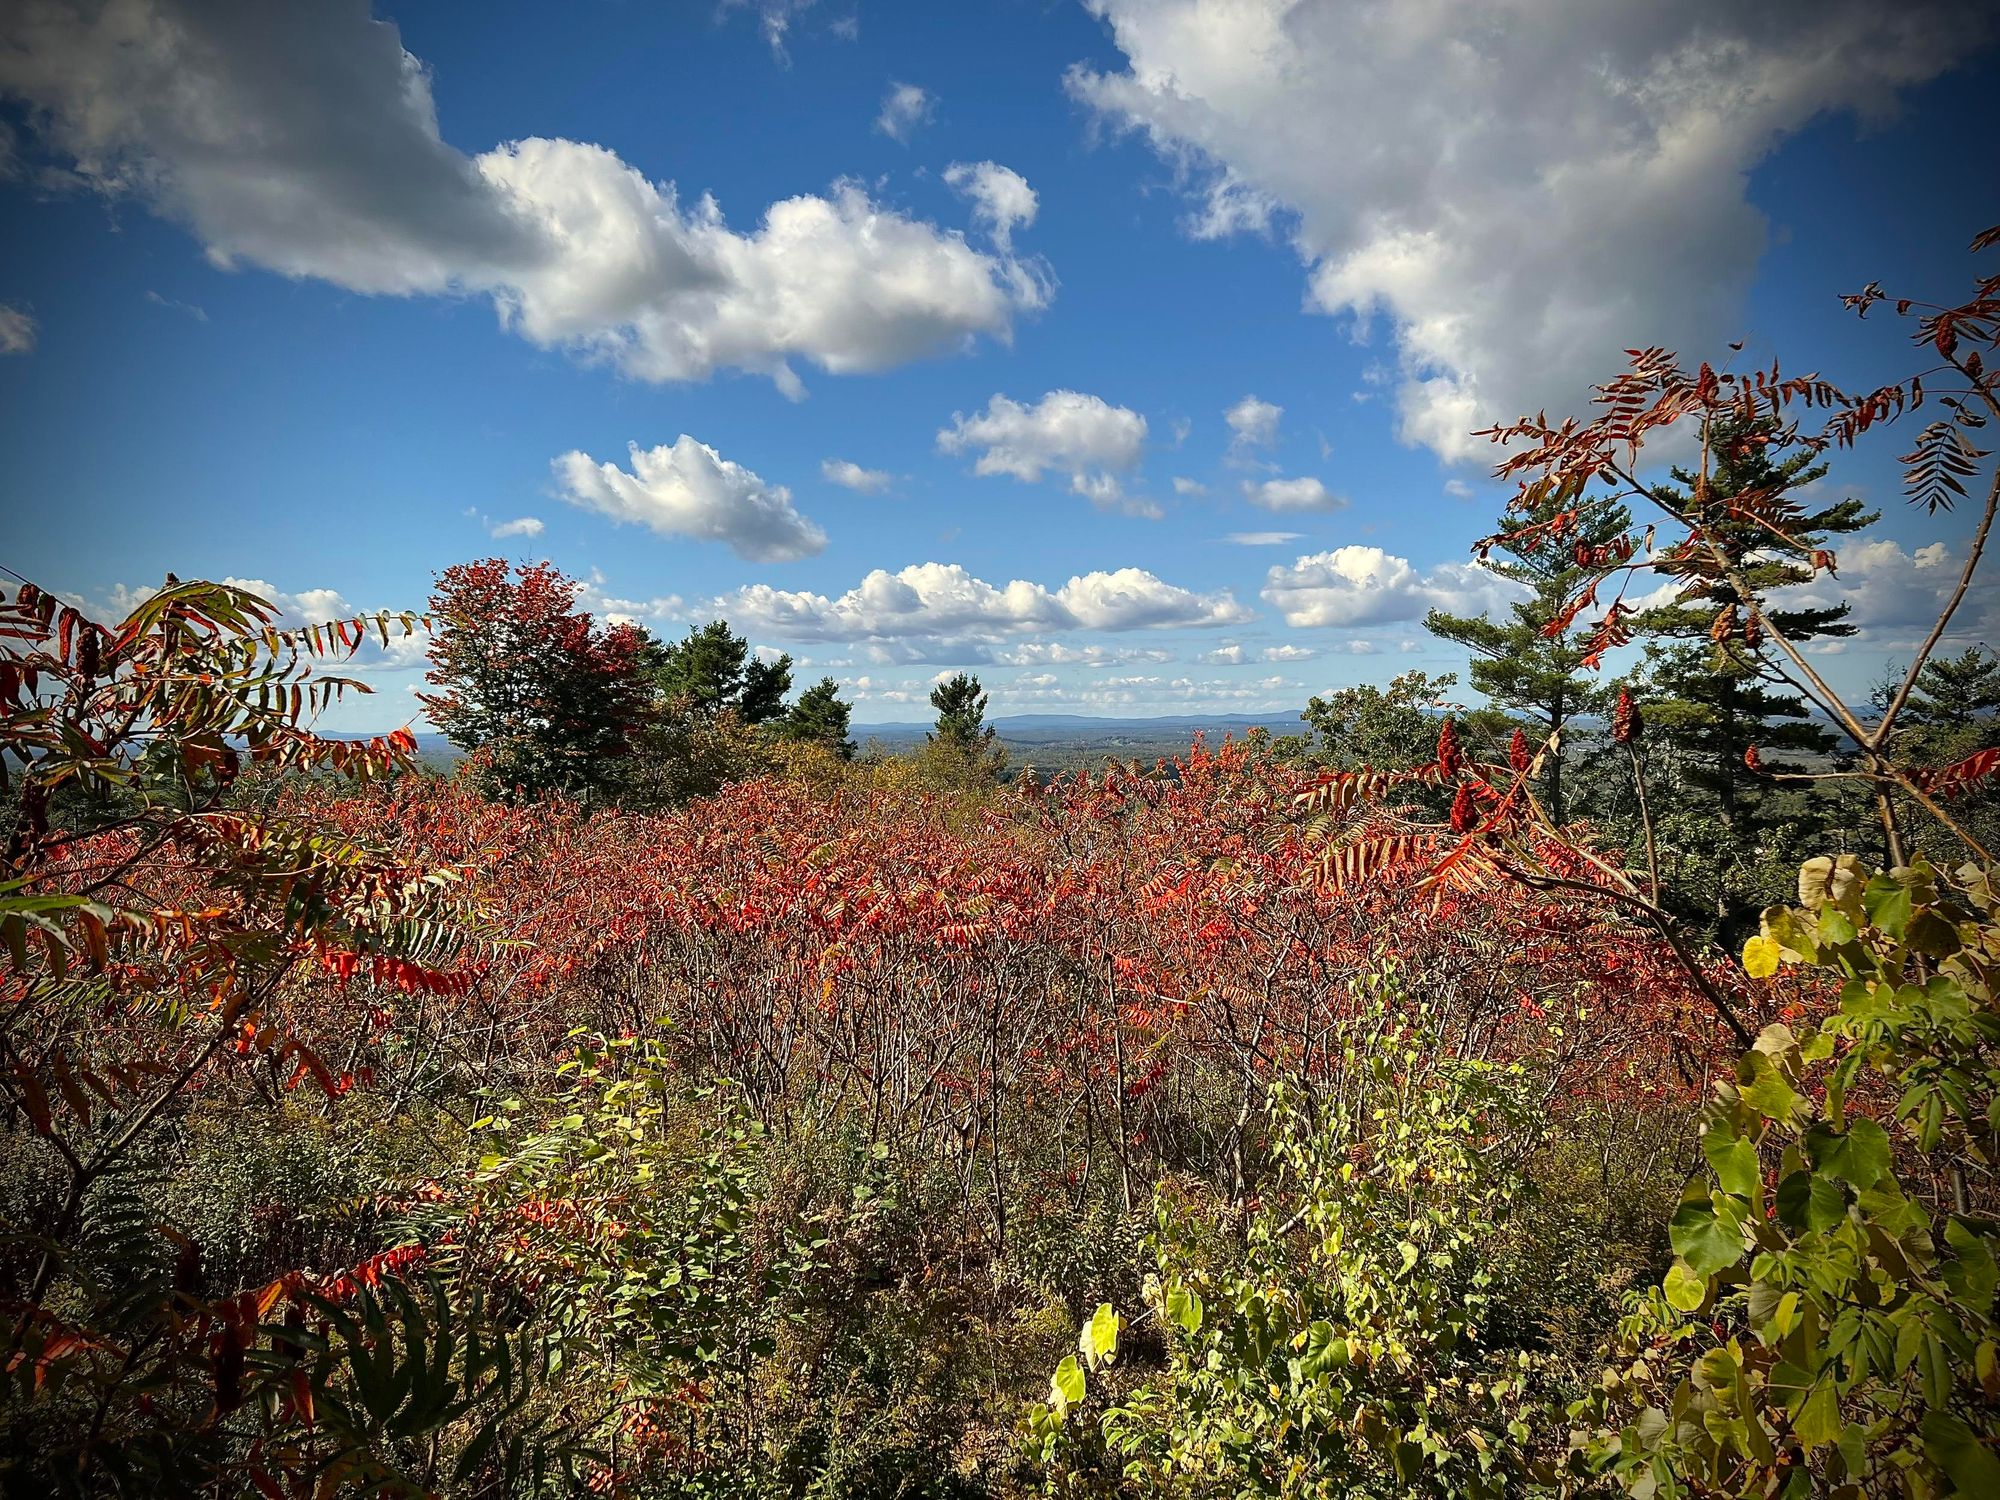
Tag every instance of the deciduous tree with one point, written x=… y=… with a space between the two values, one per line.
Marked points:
x=549 y=701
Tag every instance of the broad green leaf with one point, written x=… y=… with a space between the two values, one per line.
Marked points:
x=1859 y=1155
x=1956 y=1449
x=1807 y=1200
x=1818 y=1420
x=1889 y=905
x=1066 y=1386
x=1706 y=1244
x=1098 y=1341
x=1734 y=1161
x=1684 y=1289
x=1184 y=1307
x=1765 y=1089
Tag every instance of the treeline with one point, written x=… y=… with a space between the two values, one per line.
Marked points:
x=546 y=700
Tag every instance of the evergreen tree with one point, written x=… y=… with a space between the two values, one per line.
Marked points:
x=1952 y=713
x=821 y=717
x=962 y=733
x=1711 y=692
x=961 y=713
x=711 y=670
x=1514 y=663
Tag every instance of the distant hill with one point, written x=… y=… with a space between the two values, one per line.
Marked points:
x=1030 y=729
x=1050 y=741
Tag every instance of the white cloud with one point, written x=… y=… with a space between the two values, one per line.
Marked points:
x=851 y=476
x=1894 y=595
x=339 y=173
x=519 y=526
x=686 y=488
x=200 y=315
x=306 y=607
x=1232 y=655
x=1189 y=487
x=1253 y=423
x=905 y=108
x=1079 y=435
x=1001 y=199
x=17 y=331
x=1367 y=586
x=1458 y=489
x=1063 y=654
x=774 y=20
x=1540 y=188
x=941 y=599
x=1262 y=538
x=1291 y=494
x=1287 y=653
x=593 y=596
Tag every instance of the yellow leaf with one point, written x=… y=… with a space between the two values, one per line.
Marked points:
x=1760 y=957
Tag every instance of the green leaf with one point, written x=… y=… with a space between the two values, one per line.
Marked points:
x=1066 y=1386
x=1889 y=905
x=1098 y=1341
x=1956 y=1449
x=1859 y=1155
x=1734 y=1161
x=1809 y=1201
x=1818 y=1420
x=1184 y=1307
x=1765 y=1089
x=1683 y=1288
x=1700 y=1239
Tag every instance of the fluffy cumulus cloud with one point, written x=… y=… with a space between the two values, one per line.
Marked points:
x=905 y=109
x=1085 y=437
x=17 y=331
x=1302 y=493
x=519 y=526
x=1354 y=585
x=686 y=488
x=1253 y=423
x=304 y=139
x=1894 y=595
x=851 y=476
x=1001 y=199
x=1541 y=186
x=937 y=600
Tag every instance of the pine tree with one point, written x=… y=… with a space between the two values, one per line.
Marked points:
x=962 y=733
x=1711 y=698
x=821 y=717
x=712 y=670
x=1952 y=713
x=961 y=713
x=1515 y=664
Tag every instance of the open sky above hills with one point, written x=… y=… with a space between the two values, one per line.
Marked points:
x=1124 y=352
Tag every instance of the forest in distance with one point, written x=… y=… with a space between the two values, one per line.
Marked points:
x=1581 y=1079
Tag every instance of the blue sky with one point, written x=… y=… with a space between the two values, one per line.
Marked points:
x=287 y=302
